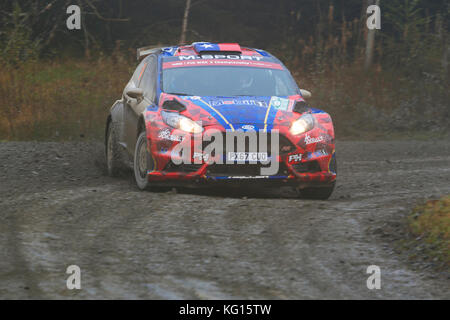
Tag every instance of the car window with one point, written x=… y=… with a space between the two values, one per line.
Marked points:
x=281 y=86
x=228 y=81
x=148 y=80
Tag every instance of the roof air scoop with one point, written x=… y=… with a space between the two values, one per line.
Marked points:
x=217 y=48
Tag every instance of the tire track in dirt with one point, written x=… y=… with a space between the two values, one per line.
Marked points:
x=211 y=243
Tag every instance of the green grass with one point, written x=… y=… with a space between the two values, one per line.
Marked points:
x=430 y=224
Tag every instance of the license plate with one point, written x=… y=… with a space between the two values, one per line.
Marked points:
x=247 y=156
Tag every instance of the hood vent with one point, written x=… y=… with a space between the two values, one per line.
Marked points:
x=173 y=105
x=301 y=107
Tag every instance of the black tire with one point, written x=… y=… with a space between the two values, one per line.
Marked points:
x=320 y=193
x=142 y=162
x=113 y=155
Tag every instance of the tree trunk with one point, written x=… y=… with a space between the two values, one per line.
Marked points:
x=87 y=52
x=445 y=49
x=185 y=22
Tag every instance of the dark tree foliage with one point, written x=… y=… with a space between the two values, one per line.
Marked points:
x=301 y=31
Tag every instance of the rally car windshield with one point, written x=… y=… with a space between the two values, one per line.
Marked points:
x=228 y=81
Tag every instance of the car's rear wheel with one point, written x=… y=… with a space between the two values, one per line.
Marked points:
x=320 y=193
x=143 y=162
x=113 y=161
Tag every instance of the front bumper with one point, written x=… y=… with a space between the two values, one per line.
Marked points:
x=303 y=161
x=202 y=175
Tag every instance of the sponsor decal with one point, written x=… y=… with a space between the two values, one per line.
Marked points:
x=295 y=158
x=248 y=127
x=279 y=103
x=221 y=62
x=317 y=154
x=309 y=140
x=167 y=135
x=247 y=102
x=220 y=56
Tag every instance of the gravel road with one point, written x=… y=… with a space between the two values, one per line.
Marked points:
x=58 y=208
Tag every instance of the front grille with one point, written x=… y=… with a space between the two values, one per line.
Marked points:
x=285 y=145
x=241 y=169
x=307 y=167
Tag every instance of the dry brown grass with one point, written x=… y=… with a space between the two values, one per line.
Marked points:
x=59 y=100
x=66 y=100
x=378 y=103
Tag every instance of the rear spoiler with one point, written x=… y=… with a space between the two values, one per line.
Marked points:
x=145 y=51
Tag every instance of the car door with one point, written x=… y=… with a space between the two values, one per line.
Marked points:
x=145 y=80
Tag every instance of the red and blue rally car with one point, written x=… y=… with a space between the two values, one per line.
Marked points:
x=181 y=94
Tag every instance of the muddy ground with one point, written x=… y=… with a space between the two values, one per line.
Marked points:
x=58 y=208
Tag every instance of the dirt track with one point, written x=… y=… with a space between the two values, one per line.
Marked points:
x=57 y=208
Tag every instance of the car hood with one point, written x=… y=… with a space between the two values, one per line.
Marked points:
x=238 y=112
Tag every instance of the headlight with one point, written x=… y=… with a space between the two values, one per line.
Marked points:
x=302 y=124
x=176 y=120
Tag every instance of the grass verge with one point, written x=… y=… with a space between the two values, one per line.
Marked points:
x=430 y=225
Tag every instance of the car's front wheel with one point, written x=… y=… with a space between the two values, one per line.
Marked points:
x=143 y=162
x=320 y=193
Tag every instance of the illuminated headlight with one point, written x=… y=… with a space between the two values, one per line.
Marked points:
x=176 y=120
x=302 y=124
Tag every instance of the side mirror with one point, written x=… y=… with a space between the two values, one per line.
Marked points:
x=135 y=93
x=305 y=93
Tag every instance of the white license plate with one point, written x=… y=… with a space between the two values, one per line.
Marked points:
x=247 y=156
